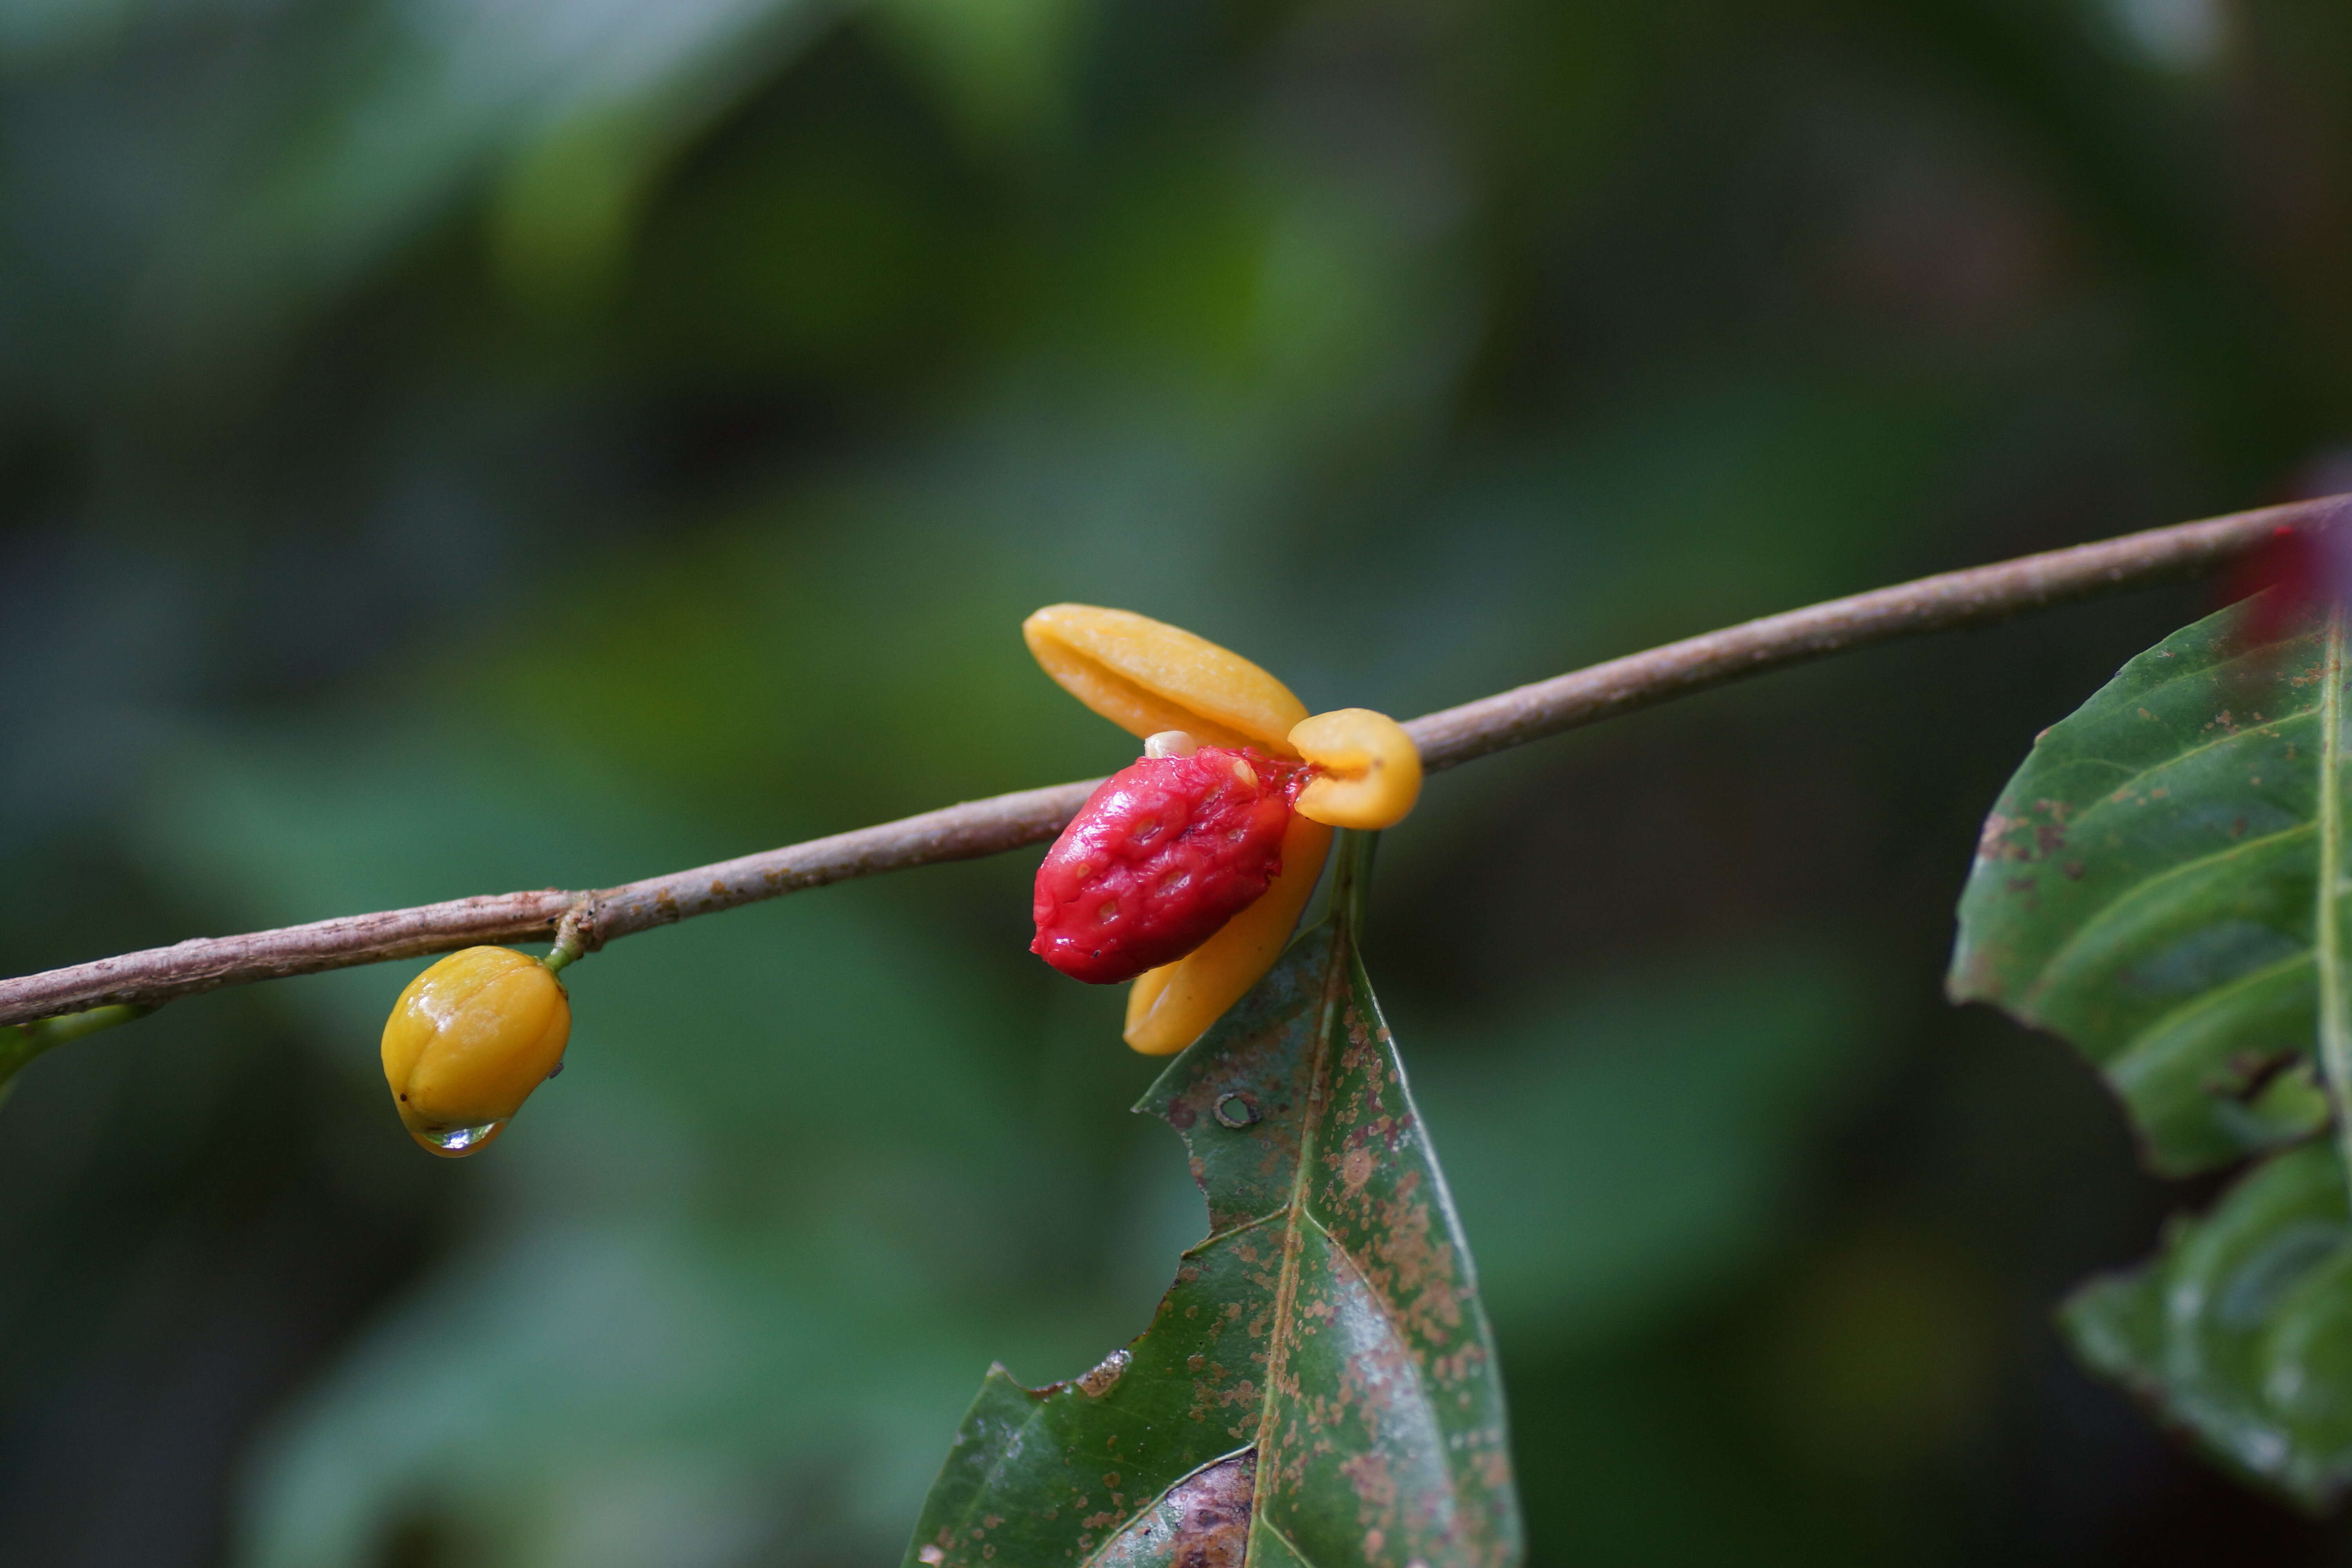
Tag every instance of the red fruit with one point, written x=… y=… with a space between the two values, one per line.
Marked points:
x=2309 y=570
x=1162 y=854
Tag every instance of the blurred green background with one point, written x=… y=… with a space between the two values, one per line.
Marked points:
x=449 y=446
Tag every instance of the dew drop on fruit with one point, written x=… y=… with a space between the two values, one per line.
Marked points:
x=456 y=1143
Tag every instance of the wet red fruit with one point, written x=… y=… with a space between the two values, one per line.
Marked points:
x=1164 y=853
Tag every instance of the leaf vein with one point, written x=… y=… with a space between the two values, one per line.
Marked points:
x=2195 y=672
x=2107 y=914
x=2267 y=728
x=2205 y=1002
x=1287 y=1289
x=1215 y=1237
x=1284 y=1536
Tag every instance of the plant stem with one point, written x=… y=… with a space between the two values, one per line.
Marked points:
x=1980 y=596
x=1351 y=880
x=20 y=1043
x=570 y=939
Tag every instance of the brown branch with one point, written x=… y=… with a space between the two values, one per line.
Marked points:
x=1979 y=596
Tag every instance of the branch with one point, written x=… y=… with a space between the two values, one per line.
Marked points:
x=1976 y=597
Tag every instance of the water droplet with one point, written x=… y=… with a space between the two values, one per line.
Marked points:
x=456 y=1143
x=1237 y=1109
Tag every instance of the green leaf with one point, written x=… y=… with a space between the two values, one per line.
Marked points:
x=1319 y=1381
x=2162 y=883
x=2147 y=887
x=2241 y=1330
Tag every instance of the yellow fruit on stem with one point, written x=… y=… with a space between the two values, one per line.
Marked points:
x=468 y=1040
x=1168 y=1007
x=1147 y=677
x=1367 y=771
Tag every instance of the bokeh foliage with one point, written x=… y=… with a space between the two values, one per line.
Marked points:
x=451 y=446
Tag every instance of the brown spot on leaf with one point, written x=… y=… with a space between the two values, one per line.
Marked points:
x=1203 y=1522
x=1104 y=1375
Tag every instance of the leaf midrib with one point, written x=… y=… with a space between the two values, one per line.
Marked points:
x=2335 y=1050
x=1335 y=980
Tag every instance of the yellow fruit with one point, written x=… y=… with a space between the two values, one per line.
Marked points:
x=1146 y=677
x=468 y=1042
x=1368 y=769
x=1169 y=1007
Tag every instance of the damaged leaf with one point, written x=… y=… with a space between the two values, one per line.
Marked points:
x=2163 y=884
x=2147 y=888
x=1319 y=1386
x=2240 y=1329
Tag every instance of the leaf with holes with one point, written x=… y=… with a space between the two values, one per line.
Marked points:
x=2147 y=887
x=2241 y=1329
x=1320 y=1384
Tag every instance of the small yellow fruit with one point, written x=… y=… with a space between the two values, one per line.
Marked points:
x=468 y=1042
x=1168 y=1007
x=1368 y=769
x=1147 y=677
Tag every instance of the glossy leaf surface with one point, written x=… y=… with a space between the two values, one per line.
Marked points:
x=1320 y=1382
x=2240 y=1330
x=2147 y=885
